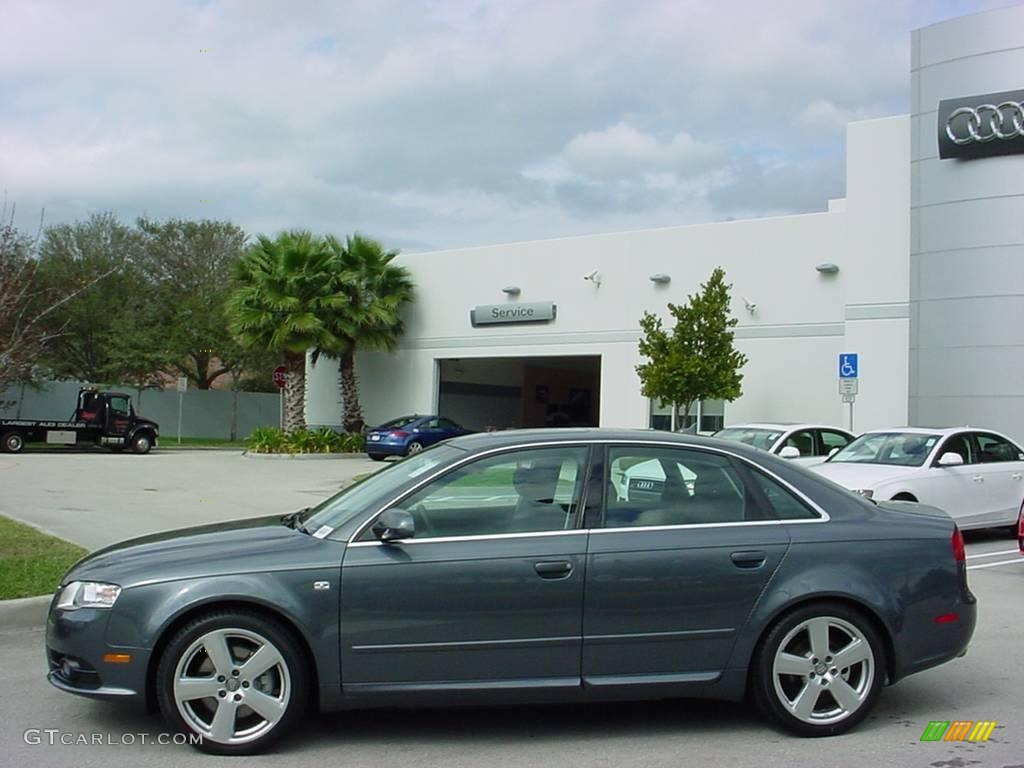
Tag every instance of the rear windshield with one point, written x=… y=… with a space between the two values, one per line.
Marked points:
x=401 y=421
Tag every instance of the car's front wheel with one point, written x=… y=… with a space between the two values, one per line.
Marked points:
x=819 y=670
x=237 y=681
x=142 y=442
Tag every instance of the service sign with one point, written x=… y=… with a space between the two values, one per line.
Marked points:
x=981 y=126
x=513 y=312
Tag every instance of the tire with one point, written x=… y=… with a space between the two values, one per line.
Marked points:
x=377 y=456
x=778 y=694
x=904 y=497
x=13 y=442
x=283 y=688
x=414 y=447
x=142 y=443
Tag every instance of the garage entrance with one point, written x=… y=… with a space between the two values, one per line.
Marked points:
x=517 y=392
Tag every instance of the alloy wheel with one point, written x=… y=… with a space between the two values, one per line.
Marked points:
x=823 y=670
x=232 y=686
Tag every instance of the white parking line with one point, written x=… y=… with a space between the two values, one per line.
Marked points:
x=994 y=554
x=1018 y=561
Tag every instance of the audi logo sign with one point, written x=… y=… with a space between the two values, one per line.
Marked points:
x=981 y=126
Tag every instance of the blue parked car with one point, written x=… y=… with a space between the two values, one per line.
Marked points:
x=407 y=435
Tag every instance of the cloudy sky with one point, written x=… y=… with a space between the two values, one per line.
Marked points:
x=443 y=123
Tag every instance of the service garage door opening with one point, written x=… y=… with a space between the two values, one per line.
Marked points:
x=485 y=393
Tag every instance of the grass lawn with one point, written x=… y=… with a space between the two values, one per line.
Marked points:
x=170 y=441
x=31 y=563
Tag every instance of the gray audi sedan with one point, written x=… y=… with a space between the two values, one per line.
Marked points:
x=525 y=566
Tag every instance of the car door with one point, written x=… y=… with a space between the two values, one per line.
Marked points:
x=1001 y=463
x=673 y=573
x=959 y=489
x=803 y=440
x=489 y=591
x=118 y=417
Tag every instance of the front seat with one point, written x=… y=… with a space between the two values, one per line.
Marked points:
x=536 y=509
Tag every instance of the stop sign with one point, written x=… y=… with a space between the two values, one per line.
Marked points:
x=279 y=375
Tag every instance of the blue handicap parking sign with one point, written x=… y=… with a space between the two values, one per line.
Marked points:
x=848 y=366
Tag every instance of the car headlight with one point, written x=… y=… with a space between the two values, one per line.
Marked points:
x=88 y=594
x=867 y=493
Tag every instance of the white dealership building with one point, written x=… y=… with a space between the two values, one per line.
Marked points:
x=919 y=270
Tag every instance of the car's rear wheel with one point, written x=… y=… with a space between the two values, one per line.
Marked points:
x=414 y=447
x=13 y=442
x=237 y=680
x=819 y=670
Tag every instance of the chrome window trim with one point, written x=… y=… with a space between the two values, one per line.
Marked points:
x=608 y=442
x=474 y=537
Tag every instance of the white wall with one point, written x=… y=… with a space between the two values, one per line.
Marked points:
x=803 y=320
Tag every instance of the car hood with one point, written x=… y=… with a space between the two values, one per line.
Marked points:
x=237 y=546
x=862 y=476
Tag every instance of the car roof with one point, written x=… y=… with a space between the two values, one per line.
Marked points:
x=927 y=430
x=784 y=426
x=512 y=437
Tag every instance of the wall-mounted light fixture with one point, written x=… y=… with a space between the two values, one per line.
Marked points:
x=827 y=268
x=512 y=290
x=661 y=278
x=594 y=277
x=750 y=305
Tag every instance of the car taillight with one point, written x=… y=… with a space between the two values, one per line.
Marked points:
x=958 y=546
x=398 y=433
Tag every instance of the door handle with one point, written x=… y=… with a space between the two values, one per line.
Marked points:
x=753 y=558
x=978 y=479
x=553 y=570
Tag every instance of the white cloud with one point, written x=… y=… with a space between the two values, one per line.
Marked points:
x=443 y=123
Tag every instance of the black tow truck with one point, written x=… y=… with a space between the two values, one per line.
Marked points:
x=100 y=418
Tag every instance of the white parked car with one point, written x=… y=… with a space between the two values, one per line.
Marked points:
x=805 y=444
x=975 y=475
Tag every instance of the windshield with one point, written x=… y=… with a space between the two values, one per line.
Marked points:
x=401 y=421
x=759 y=438
x=903 y=449
x=357 y=498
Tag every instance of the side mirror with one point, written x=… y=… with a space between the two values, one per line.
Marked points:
x=790 y=452
x=950 y=459
x=833 y=452
x=393 y=525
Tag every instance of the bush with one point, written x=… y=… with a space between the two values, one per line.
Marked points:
x=323 y=440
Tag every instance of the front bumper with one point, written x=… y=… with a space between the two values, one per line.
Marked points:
x=75 y=646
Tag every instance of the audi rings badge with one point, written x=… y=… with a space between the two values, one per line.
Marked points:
x=978 y=126
x=986 y=122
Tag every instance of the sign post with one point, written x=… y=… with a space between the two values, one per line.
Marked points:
x=849 y=377
x=280 y=377
x=182 y=388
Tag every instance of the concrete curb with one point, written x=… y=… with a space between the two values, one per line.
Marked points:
x=24 y=612
x=305 y=456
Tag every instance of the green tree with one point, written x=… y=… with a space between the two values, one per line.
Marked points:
x=190 y=266
x=83 y=254
x=286 y=289
x=373 y=291
x=694 y=360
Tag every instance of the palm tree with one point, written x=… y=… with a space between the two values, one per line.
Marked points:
x=287 y=288
x=374 y=291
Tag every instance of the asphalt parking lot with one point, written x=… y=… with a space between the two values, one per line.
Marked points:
x=97 y=498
